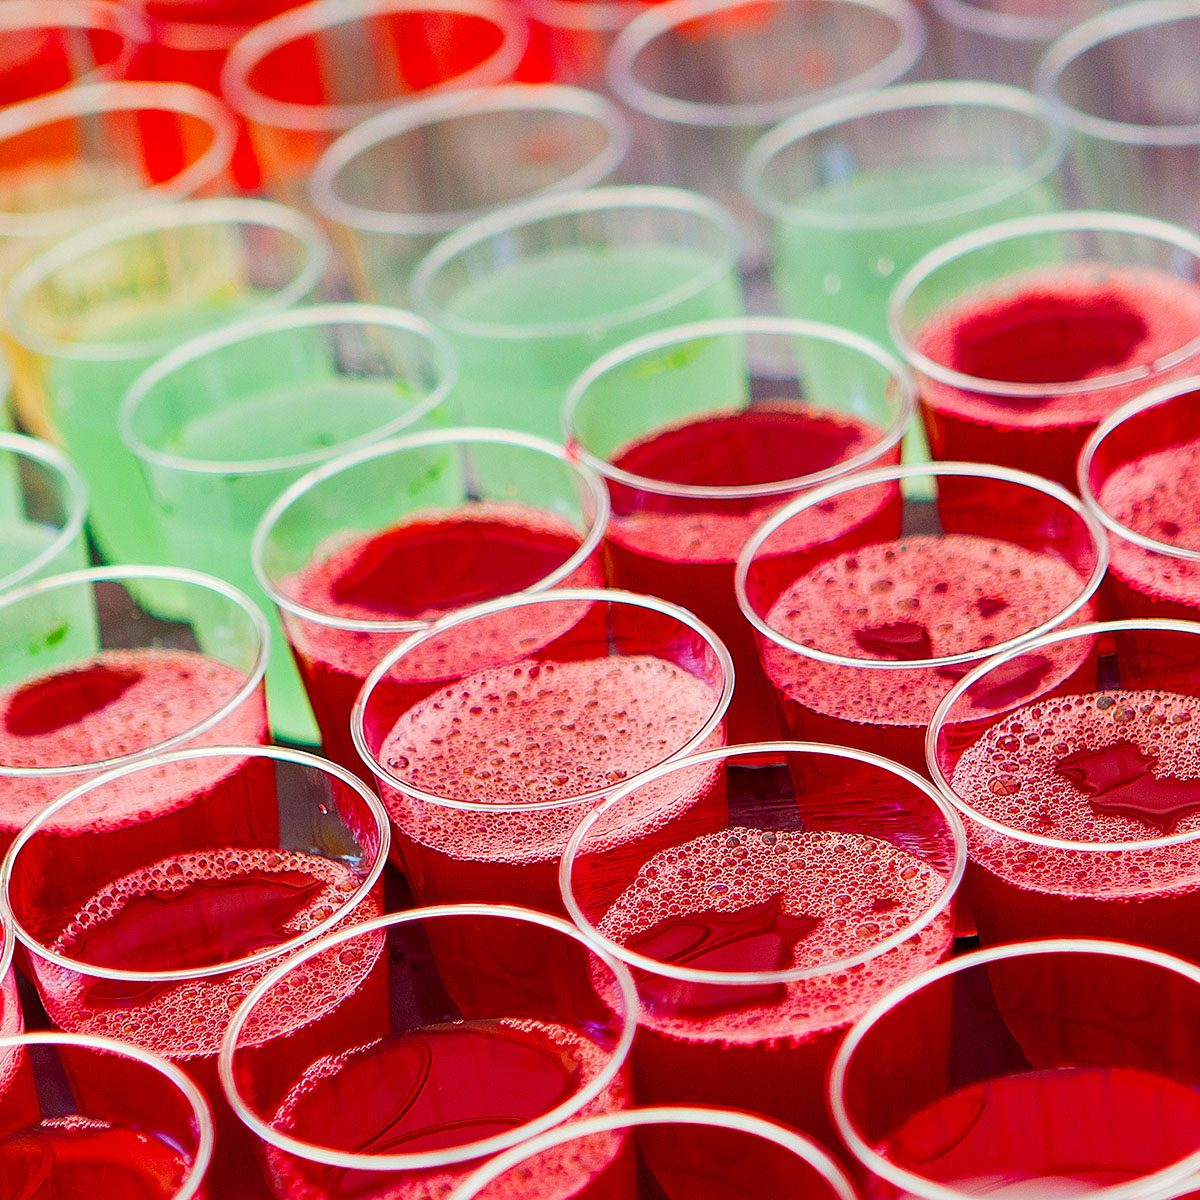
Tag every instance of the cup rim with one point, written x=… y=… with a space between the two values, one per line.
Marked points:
x=447 y=107
x=224 y=212
x=1081 y=39
x=96 y=15
x=8 y=941
x=317 y=17
x=122 y=575
x=663 y=17
x=1009 y=26
x=600 y=16
x=955 y=94
x=919 y=1186
x=251 y=327
x=1136 y=407
x=1126 y=224
x=75 y=501
x=459 y=436
x=793 y=974
x=789 y=327
x=283 y=949
x=82 y=100
x=1093 y=629
x=799 y=1144
x=488 y=608
x=882 y=475
x=201 y=1110
x=451 y=1155
x=613 y=198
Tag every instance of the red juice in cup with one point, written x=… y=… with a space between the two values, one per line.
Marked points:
x=1026 y=334
x=544 y=704
x=11 y=1017
x=704 y=430
x=755 y=945
x=864 y=640
x=363 y=553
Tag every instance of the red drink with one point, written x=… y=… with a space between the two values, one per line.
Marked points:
x=684 y=549
x=415 y=572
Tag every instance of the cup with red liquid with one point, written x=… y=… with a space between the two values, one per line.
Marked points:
x=1137 y=479
x=153 y=930
x=1055 y=1068
x=90 y=680
x=1072 y=760
x=473 y=1050
x=492 y=732
x=687 y=1153
x=757 y=938
x=1026 y=334
x=12 y=1020
x=88 y=1116
x=301 y=78
x=573 y=38
x=702 y=430
x=372 y=547
x=871 y=599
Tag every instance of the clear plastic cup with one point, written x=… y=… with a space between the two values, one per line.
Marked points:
x=494 y=730
x=870 y=599
x=94 y=1116
x=760 y=927
x=574 y=37
x=156 y=930
x=302 y=78
x=225 y=422
x=93 y=311
x=445 y=1035
x=706 y=78
x=12 y=1019
x=397 y=182
x=1121 y=83
x=1026 y=334
x=701 y=431
x=531 y=296
x=691 y=1154
x=1044 y=1069
x=371 y=548
x=92 y=680
x=89 y=152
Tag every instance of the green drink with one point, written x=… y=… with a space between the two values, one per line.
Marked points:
x=530 y=298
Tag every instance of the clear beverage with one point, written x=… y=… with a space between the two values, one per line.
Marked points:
x=468 y=1051
x=702 y=430
x=491 y=733
x=362 y=553
x=756 y=939
x=862 y=633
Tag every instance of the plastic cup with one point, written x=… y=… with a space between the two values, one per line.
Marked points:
x=555 y=699
x=369 y=549
x=1069 y=760
x=862 y=631
x=701 y=431
x=302 y=78
x=999 y=39
x=1133 y=479
x=757 y=933
x=89 y=152
x=1026 y=334
x=690 y=1153
x=94 y=1116
x=43 y=505
x=1119 y=82
x=93 y=681
x=155 y=931
x=396 y=183
x=1044 y=1069
x=706 y=78
x=531 y=296
x=12 y=1021
x=92 y=312
x=462 y=1054
x=225 y=422
x=575 y=37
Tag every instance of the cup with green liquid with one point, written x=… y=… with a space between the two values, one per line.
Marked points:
x=531 y=296
x=225 y=422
